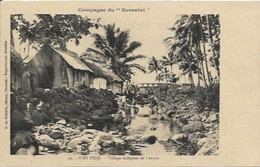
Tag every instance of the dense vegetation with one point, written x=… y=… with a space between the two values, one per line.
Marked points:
x=194 y=45
x=116 y=51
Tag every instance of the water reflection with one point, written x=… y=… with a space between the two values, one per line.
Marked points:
x=144 y=123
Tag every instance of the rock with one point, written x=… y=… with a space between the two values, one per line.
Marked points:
x=202 y=141
x=170 y=113
x=17 y=118
x=105 y=141
x=90 y=136
x=113 y=132
x=23 y=151
x=75 y=132
x=193 y=127
x=210 y=147
x=180 y=137
x=154 y=117
x=90 y=105
x=82 y=127
x=151 y=139
x=119 y=141
x=22 y=105
x=56 y=135
x=118 y=118
x=50 y=124
x=212 y=118
x=195 y=137
x=51 y=151
x=175 y=126
x=75 y=121
x=79 y=149
x=195 y=118
x=143 y=115
x=22 y=138
x=69 y=149
x=48 y=142
x=37 y=118
x=61 y=122
x=203 y=118
x=135 y=138
x=94 y=148
x=153 y=128
x=69 y=125
x=79 y=140
x=89 y=131
x=83 y=122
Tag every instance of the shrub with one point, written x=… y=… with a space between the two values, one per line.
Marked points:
x=208 y=97
x=213 y=97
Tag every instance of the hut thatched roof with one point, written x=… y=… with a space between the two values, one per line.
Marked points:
x=98 y=72
x=113 y=76
x=103 y=72
x=72 y=59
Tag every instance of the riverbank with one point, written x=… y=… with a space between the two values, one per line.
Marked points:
x=195 y=111
x=83 y=122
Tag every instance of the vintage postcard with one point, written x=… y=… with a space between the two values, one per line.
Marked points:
x=130 y=84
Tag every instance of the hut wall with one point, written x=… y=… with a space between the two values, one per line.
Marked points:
x=16 y=80
x=80 y=77
x=115 y=87
x=76 y=75
x=26 y=81
x=86 y=79
x=57 y=79
x=100 y=83
x=43 y=66
x=70 y=76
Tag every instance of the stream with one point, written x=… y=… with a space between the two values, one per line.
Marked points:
x=143 y=124
x=145 y=135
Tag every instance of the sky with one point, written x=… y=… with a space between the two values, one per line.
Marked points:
x=149 y=28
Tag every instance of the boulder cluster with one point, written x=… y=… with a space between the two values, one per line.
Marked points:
x=194 y=117
x=59 y=137
x=84 y=108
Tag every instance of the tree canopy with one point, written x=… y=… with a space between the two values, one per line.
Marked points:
x=115 y=50
x=55 y=30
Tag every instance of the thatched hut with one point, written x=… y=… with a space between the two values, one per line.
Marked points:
x=17 y=68
x=115 y=83
x=56 y=67
x=105 y=78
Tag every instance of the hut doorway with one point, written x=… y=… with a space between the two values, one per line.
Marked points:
x=46 y=79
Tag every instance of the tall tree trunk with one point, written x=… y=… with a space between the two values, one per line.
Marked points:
x=198 y=65
x=198 y=85
x=211 y=41
x=28 y=49
x=198 y=51
x=202 y=67
x=12 y=38
x=171 y=69
x=197 y=55
x=204 y=48
x=156 y=75
x=190 y=71
x=20 y=47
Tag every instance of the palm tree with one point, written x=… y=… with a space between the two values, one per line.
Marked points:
x=213 y=24
x=170 y=60
x=115 y=50
x=154 y=65
x=189 y=34
x=203 y=39
x=180 y=45
x=159 y=77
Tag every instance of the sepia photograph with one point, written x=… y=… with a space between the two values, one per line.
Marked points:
x=93 y=86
